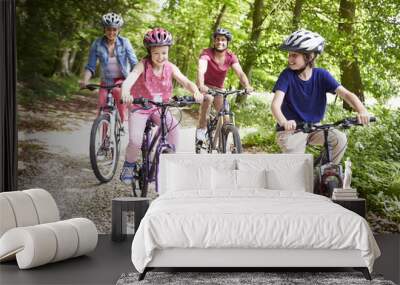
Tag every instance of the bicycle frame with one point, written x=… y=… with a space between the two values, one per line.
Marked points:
x=107 y=139
x=327 y=172
x=155 y=145
x=112 y=111
x=218 y=121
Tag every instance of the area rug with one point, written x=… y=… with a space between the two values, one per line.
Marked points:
x=243 y=278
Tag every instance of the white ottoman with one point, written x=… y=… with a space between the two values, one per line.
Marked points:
x=31 y=232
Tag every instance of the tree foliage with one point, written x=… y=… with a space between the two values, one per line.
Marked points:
x=46 y=30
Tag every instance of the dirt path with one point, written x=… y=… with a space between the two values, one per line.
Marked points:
x=53 y=154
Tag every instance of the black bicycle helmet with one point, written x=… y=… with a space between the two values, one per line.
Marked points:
x=223 y=32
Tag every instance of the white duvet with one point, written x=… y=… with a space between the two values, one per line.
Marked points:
x=250 y=218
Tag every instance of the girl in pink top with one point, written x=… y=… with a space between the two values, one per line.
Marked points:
x=152 y=79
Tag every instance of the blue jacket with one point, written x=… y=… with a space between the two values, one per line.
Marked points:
x=123 y=51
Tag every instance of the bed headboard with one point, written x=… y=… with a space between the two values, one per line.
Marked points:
x=285 y=171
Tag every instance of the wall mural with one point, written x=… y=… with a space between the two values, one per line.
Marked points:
x=55 y=117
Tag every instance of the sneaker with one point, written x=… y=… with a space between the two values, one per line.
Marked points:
x=201 y=134
x=128 y=173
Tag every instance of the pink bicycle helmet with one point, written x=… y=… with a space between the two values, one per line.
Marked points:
x=157 y=37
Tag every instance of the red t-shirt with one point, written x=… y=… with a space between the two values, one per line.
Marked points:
x=215 y=73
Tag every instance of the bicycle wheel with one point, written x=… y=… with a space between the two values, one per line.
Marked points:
x=143 y=183
x=205 y=146
x=199 y=146
x=231 y=139
x=103 y=149
x=143 y=171
x=328 y=183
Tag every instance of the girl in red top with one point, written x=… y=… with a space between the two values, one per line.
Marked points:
x=151 y=78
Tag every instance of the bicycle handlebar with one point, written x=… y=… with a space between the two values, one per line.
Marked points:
x=93 y=86
x=311 y=127
x=215 y=92
x=174 y=102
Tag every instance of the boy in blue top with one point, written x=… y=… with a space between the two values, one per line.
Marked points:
x=300 y=96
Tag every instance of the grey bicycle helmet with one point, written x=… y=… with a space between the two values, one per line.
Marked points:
x=112 y=20
x=223 y=32
x=304 y=41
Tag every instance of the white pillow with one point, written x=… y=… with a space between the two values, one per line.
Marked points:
x=293 y=179
x=224 y=179
x=251 y=178
x=188 y=177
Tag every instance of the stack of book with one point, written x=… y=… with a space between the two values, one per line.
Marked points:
x=344 y=194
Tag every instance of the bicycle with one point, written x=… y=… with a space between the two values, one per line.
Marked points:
x=327 y=175
x=155 y=143
x=105 y=137
x=222 y=135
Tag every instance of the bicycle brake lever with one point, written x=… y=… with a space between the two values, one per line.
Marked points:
x=145 y=104
x=176 y=98
x=91 y=88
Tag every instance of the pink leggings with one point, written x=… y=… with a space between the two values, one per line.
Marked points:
x=137 y=123
x=116 y=92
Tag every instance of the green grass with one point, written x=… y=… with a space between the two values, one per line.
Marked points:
x=38 y=88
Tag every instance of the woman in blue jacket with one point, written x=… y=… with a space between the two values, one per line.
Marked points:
x=116 y=57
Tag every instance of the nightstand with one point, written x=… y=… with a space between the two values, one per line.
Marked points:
x=138 y=205
x=358 y=205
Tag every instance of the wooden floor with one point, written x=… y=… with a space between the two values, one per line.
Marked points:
x=111 y=259
x=103 y=266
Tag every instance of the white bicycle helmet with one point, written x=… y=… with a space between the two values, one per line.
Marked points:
x=112 y=20
x=304 y=41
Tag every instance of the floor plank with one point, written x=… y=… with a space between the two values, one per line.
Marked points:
x=111 y=259
x=103 y=266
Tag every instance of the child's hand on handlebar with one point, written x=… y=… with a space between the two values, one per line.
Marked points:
x=363 y=118
x=289 y=125
x=127 y=98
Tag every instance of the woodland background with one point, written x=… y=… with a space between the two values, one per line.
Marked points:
x=362 y=52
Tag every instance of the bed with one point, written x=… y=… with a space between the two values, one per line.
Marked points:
x=247 y=211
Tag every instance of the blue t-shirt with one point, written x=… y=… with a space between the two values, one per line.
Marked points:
x=305 y=101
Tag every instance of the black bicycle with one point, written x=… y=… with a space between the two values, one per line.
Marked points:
x=222 y=135
x=327 y=175
x=105 y=137
x=155 y=143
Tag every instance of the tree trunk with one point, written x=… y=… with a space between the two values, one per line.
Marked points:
x=72 y=58
x=350 y=70
x=217 y=22
x=297 y=14
x=251 y=55
x=64 y=63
